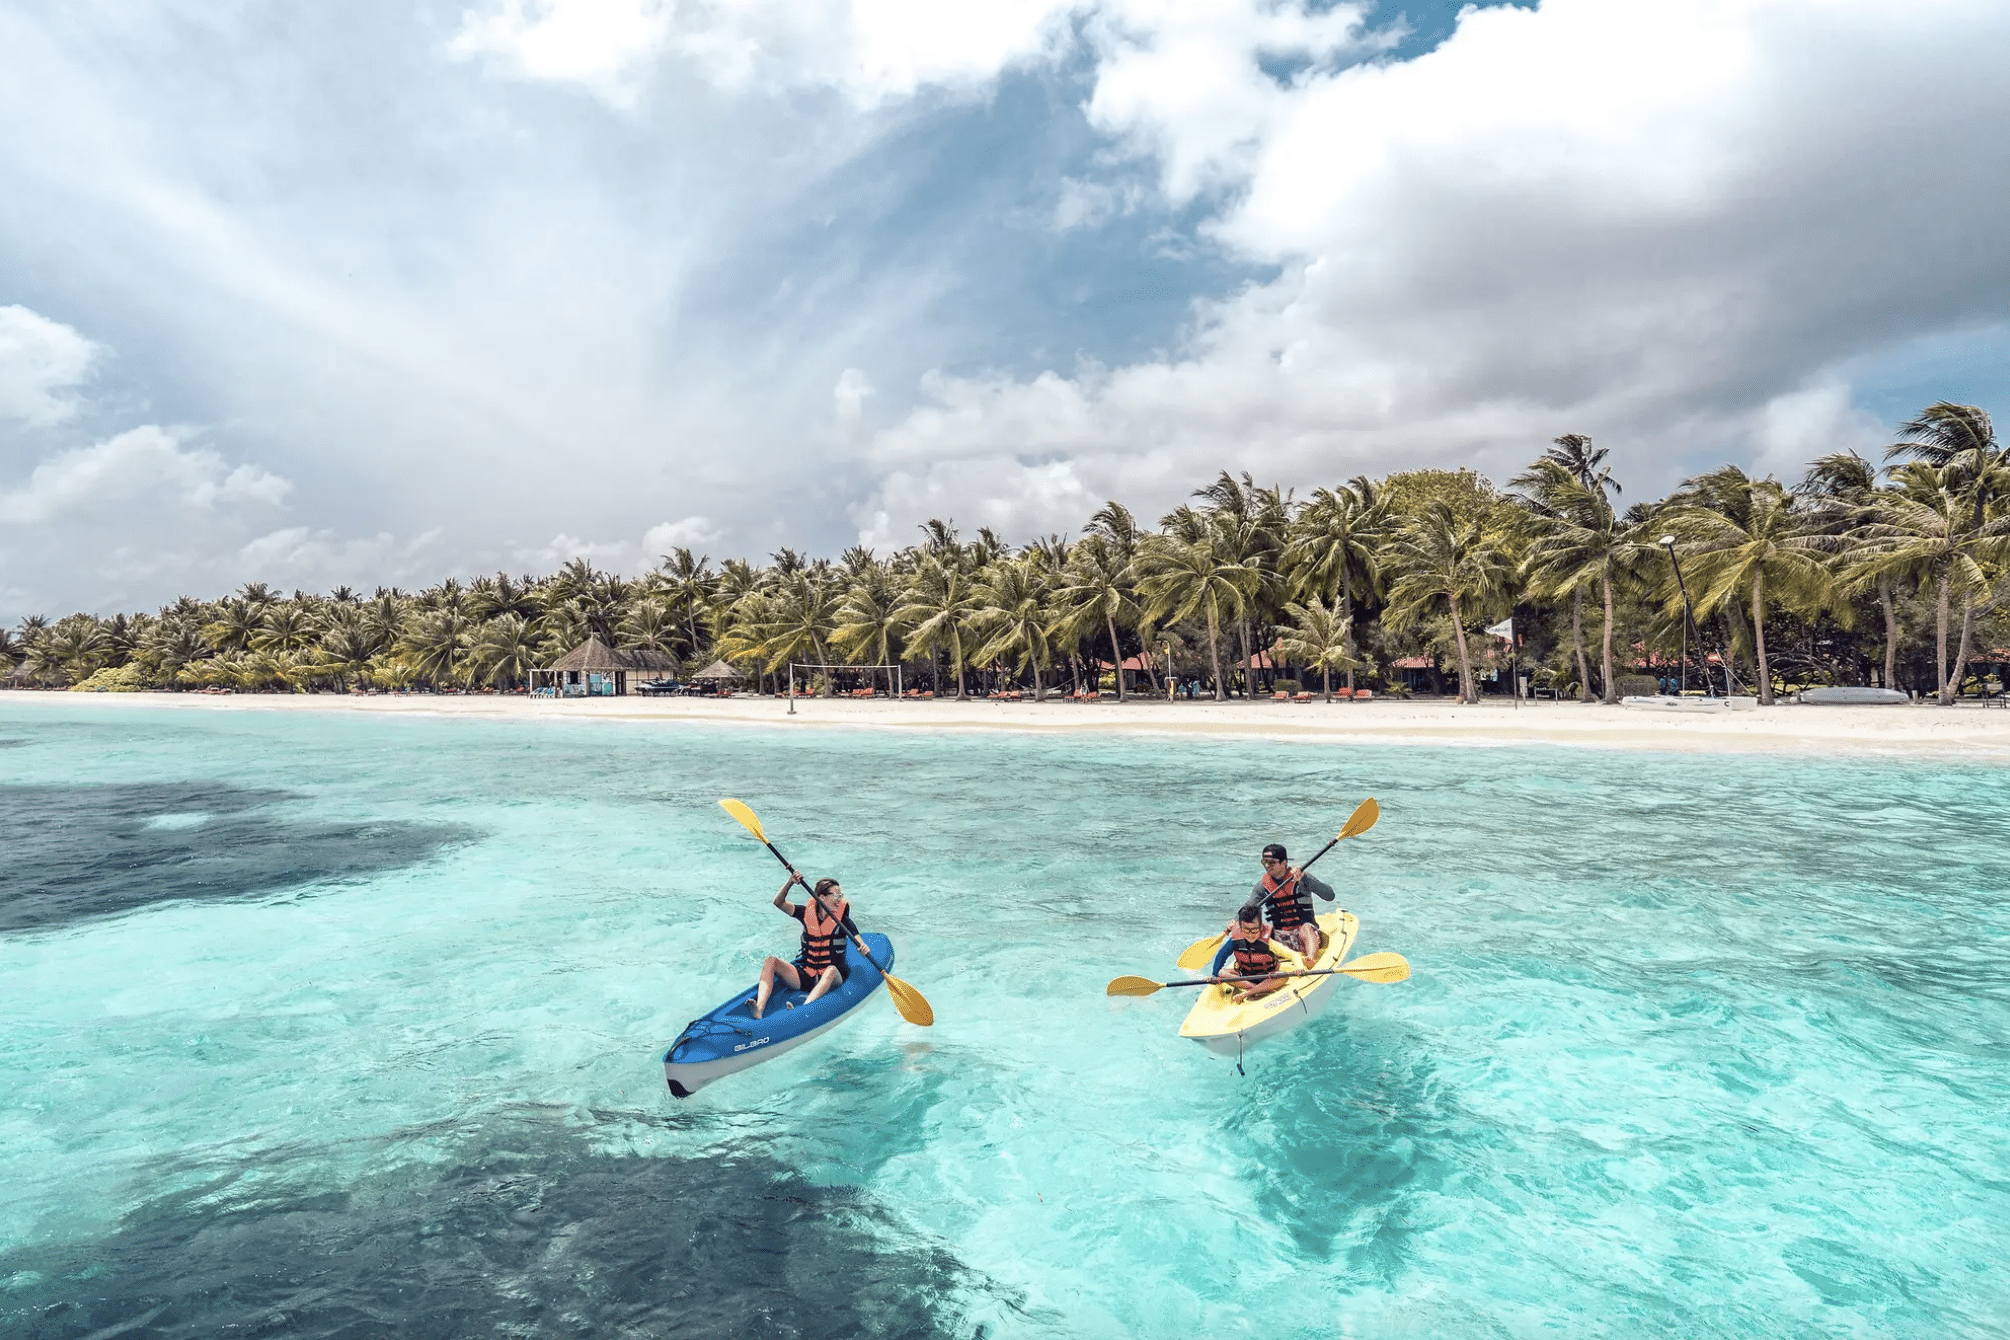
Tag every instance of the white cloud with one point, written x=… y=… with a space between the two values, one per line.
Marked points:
x=690 y=532
x=600 y=43
x=298 y=555
x=1662 y=223
x=1184 y=81
x=628 y=557
x=848 y=398
x=1792 y=429
x=872 y=51
x=147 y=465
x=40 y=360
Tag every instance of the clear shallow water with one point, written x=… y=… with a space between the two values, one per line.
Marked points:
x=327 y=1026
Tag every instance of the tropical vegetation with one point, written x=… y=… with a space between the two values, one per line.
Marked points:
x=1891 y=573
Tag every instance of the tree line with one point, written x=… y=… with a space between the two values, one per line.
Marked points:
x=1892 y=573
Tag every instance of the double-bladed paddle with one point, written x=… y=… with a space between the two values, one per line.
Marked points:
x=1383 y=967
x=913 y=1006
x=1360 y=821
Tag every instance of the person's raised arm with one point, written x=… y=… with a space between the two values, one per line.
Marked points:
x=782 y=896
x=1316 y=885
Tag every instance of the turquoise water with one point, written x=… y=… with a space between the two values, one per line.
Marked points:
x=337 y=1025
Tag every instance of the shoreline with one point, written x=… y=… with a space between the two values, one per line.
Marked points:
x=1785 y=728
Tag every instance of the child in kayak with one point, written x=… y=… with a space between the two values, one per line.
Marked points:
x=1255 y=954
x=820 y=963
x=1286 y=892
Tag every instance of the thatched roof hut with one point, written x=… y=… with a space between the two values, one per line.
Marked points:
x=594 y=668
x=719 y=670
x=596 y=656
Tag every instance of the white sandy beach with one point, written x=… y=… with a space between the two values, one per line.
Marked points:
x=1968 y=730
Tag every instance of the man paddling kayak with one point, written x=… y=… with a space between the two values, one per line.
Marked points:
x=1255 y=956
x=1285 y=892
x=820 y=962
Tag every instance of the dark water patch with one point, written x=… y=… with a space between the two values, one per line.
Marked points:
x=14 y=744
x=73 y=853
x=556 y=1242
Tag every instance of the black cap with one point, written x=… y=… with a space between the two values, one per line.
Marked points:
x=1275 y=849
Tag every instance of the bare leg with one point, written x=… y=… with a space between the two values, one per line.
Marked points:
x=770 y=970
x=830 y=979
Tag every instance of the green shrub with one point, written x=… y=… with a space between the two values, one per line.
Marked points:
x=1285 y=686
x=122 y=679
x=1637 y=686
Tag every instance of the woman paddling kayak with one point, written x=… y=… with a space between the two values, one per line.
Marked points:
x=820 y=964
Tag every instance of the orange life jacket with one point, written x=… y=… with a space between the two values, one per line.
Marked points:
x=823 y=938
x=1253 y=958
x=1290 y=905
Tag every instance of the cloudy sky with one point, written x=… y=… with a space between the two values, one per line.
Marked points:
x=374 y=292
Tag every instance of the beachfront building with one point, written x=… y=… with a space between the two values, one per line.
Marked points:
x=720 y=676
x=594 y=670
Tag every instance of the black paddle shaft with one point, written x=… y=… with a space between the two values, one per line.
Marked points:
x=799 y=875
x=1237 y=981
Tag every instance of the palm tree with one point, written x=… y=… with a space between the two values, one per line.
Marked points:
x=648 y=626
x=868 y=620
x=1750 y=533
x=433 y=644
x=1945 y=434
x=1438 y=561
x=237 y=620
x=1250 y=525
x=1095 y=588
x=286 y=627
x=1012 y=616
x=1320 y=637
x=504 y=651
x=937 y=609
x=1331 y=553
x=800 y=615
x=1190 y=574
x=1843 y=489
x=1928 y=525
x=1576 y=539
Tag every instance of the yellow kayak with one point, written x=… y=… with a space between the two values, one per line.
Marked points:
x=1224 y=1025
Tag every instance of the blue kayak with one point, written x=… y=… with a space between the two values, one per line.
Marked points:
x=730 y=1038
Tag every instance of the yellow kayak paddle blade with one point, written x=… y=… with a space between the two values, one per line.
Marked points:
x=913 y=1006
x=1361 y=820
x=748 y=819
x=1383 y=967
x=1132 y=986
x=1198 y=954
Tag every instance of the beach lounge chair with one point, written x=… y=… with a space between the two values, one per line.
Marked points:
x=1301 y=697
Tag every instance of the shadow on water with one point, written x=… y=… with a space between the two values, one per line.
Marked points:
x=529 y=1237
x=1351 y=1135
x=73 y=853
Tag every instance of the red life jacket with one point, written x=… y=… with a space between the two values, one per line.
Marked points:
x=1253 y=958
x=823 y=938
x=1290 y=905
